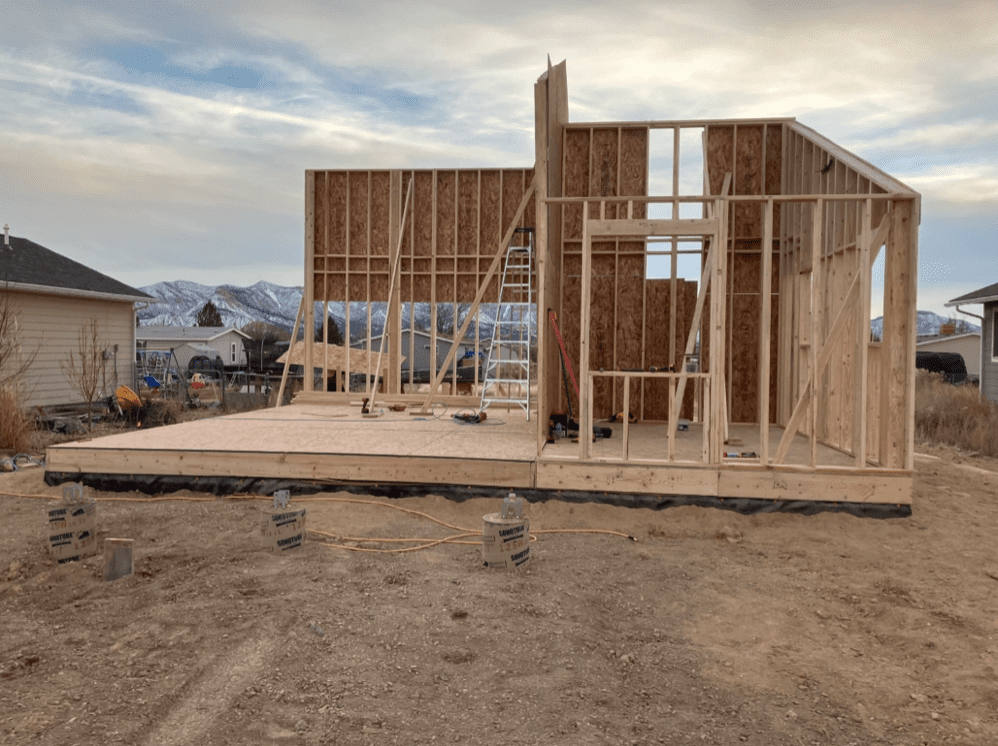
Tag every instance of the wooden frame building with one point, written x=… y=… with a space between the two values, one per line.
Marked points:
x=757 y=378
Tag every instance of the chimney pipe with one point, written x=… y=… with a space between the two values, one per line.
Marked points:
x=6 y=235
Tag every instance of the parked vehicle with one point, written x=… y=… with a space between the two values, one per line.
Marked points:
x=950 y=364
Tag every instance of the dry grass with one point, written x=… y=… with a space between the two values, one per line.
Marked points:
x=954 y=416
x=15 y=427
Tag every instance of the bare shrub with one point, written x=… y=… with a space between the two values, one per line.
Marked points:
x=15 y=426
x=15 y=362
x=85 y=367
x=954 y=415
x=160 y=412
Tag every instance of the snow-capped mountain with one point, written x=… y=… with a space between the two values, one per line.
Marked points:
x=928 y=324
x=181 y=301
x=276 y=304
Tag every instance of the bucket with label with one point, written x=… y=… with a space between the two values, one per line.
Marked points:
x=506 y=536
x=72 y=526
x=283 y=526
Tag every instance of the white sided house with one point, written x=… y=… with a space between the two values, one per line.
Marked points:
x=52 y=297
x=222 y=342
x=988 y=298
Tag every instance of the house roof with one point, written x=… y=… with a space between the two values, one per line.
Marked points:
x=184 y=333
x=945 y=338
x=26 y=263
x=984 y=295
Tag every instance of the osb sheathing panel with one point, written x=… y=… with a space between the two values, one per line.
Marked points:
x=445 y=289
x=774 y=169
x=467 y=213
x=576 y=176
x=320 y=226
x=748 y=178
x=381 y=185
x=720 y=154
x=601 y=330
x=358 y=188
x=459 y=224
x=634 y=168
x=423 y=213
x=568 y=320
x=336 y=222
x=446 y=217
x=628 y=331
x=512 y=192
x=658 y=294
x=603 y=176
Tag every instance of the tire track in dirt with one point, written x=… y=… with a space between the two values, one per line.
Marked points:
x=212 y=693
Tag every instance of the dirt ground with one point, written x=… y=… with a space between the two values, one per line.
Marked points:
x=712 y=628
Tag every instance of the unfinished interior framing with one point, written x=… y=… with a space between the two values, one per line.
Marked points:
x=752 y=375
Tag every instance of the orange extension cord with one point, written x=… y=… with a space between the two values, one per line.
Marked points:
x=426 y=543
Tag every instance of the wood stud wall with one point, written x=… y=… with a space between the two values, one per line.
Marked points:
x=455 y=223
x=798 y=205
x=630 y=314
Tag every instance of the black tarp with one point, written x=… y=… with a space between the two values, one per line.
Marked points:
x=221 y=486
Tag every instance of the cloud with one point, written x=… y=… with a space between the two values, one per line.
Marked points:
x=185 y=128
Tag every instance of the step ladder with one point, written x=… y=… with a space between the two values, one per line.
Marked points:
x=507 y=371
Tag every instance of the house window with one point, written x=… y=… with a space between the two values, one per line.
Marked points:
x=233 y=361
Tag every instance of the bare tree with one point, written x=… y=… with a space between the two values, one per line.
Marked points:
x=85 y=367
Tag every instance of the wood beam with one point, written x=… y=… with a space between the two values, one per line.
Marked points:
x=308 y=295
x=541 y=250
x=765 y=326
x=601 y=228
x=897 y=346
x=817 y=298
x=862 y=341
x=585 y=380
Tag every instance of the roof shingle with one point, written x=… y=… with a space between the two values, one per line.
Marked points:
x=978 y=296
x=26 y=262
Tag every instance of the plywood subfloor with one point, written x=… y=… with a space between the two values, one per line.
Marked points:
x=323 y=442
x=649 y=441
x=318 y=442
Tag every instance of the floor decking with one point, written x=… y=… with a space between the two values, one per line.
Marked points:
x=311 y=442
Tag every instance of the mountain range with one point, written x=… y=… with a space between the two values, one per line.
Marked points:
x=278 y=305
x=181 y=300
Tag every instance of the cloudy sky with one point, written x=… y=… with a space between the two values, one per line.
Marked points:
x=168 y=140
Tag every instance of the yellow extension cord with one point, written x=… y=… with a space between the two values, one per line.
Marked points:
x=463 y=533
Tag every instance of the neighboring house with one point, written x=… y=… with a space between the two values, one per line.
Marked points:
x=225 y=342
x=988 y=297
x=53 y=297
x=422 y=342
x=967 y=345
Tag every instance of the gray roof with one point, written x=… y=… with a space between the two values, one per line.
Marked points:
x=984 y=295
x=25 y=262
x=185 y=333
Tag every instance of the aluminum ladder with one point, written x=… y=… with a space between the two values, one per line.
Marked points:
x=507 y=371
